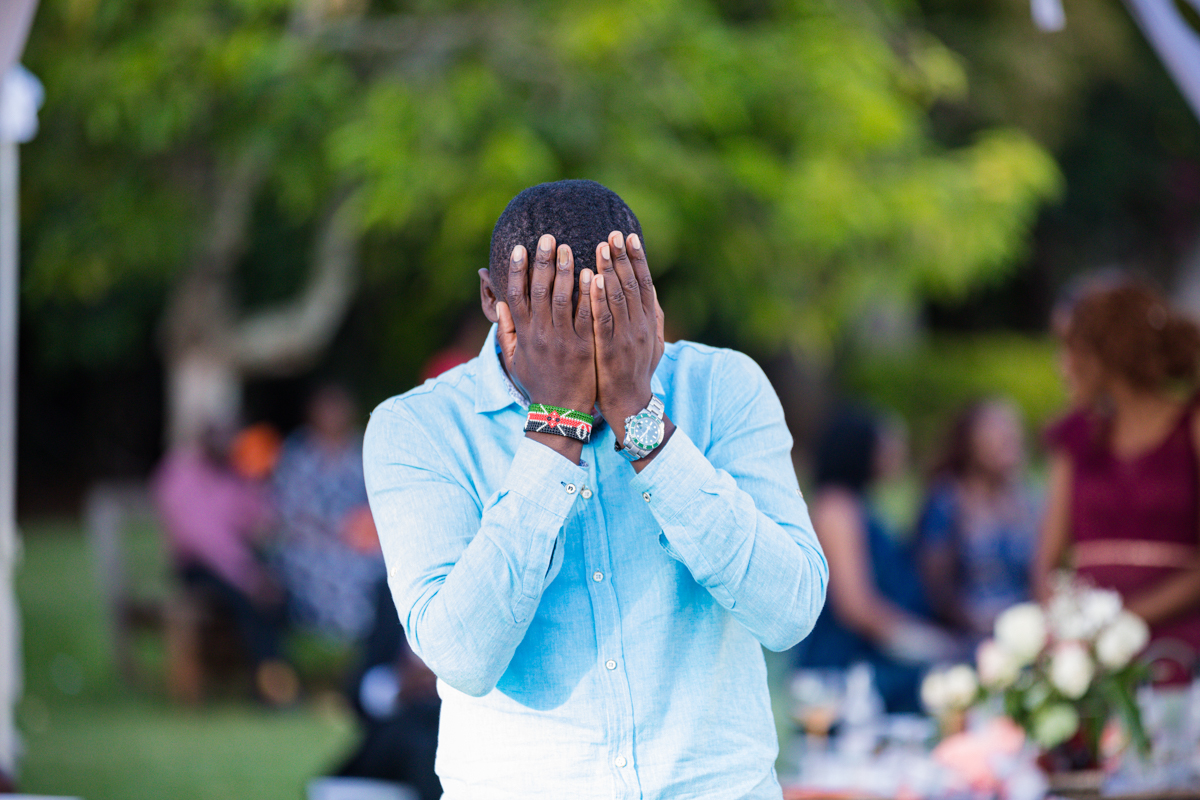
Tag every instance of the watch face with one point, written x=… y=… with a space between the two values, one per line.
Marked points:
x=646 y=431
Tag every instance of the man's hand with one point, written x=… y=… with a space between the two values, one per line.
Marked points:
x=628 y=327
x=547 y=343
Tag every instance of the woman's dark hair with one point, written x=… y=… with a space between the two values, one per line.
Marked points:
x=846 y=451
x=954 y=460
x=1136 y=334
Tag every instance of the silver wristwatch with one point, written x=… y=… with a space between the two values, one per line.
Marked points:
x=643 y=431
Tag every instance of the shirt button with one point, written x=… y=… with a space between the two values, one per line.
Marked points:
x=587 y=493
x=570 y=488
x=646 y=496
x=597 y=576
x=392 y=571
x=610 y=664
x=621 y=761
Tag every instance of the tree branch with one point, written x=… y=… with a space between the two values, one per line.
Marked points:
x=287 y=338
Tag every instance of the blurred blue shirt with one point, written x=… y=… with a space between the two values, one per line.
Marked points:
x=596 y=632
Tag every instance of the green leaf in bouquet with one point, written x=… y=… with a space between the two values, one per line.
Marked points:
x=1119 y=694
x=1054 y=724
x=1036 y=696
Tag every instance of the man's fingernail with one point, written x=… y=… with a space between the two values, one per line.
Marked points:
x=564 y=255
x=585 y=277
x=599 y=281
x=518 y=251
x=633 y=242
x=604 y=252
x=544 y=242
x=618 y=240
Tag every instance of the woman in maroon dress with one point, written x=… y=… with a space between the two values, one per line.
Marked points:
x=1124 y=493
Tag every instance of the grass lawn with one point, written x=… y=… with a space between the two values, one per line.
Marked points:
x=88 y=735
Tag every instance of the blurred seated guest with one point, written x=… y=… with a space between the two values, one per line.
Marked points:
x=978 y=530
x=213 y=518
x=1124 y=487
x=395 y=698
x=326 y=551
x=876 y=612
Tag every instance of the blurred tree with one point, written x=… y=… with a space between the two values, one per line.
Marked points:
x=1097 y=96
x=777 y=151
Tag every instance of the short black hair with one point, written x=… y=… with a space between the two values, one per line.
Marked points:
x=577 y=213
x=846 y=450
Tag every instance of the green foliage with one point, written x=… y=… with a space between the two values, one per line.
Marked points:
x=930 y=383
x=777 y=153
x=87 y=735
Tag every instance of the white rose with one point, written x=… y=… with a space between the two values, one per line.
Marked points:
x=998 y=668
x=1065 y=617
x=1121 y=640
x=1054 y=724
x=1098 y=607
x=1021 y=630
x=961 y=686
x=933 y=693
x=1071 y=669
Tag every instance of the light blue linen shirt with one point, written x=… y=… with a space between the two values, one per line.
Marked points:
x=597 y=633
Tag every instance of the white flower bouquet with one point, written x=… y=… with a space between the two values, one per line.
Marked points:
x=1063 y=672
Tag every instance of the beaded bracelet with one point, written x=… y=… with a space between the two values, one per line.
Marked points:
x=559 y=421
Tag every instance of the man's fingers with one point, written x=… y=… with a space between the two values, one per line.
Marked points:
x=602 y=316
x=506 y=331
x=641 y=269
x=630 y=286
x=610 y=282
x=660 y=320
x=564 y=287
x=542 y=278
x=518 y=284
x=583 y=316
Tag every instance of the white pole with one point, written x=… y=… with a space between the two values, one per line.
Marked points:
x=10 y=636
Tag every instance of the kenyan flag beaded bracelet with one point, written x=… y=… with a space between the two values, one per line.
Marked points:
x=559 y=421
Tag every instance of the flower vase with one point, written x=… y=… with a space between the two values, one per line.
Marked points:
x=1073 y=768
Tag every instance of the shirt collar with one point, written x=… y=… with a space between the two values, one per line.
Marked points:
x=495 y=390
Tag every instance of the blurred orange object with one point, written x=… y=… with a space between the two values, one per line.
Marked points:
x=358 y=530
x=255 y=450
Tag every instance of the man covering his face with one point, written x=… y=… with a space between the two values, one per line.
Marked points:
x=589 y=534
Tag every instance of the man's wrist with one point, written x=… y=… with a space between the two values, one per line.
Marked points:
x=620 y=411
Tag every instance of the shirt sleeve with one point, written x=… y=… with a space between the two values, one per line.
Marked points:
x=466 y=578
x=734 y=515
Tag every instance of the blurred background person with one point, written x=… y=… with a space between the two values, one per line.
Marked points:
x=876 y=611
x=977 y=532
x=394 y=696
x=326 y=551
x=214 y=519
x=1124 y=486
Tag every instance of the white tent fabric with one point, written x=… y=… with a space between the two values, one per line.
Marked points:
x=1175 y=40
x=20 y=96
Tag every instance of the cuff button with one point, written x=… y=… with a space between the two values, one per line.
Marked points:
x=646 y=496
x=570 y=488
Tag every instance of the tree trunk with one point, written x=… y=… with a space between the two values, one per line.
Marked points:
x=209 y=352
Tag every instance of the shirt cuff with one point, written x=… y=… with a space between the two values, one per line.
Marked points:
x=670 y=483
x=545 y=478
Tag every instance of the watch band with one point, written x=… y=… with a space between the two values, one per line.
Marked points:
x=559 y=421
x=633 y=449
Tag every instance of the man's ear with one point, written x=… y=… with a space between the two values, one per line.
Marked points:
x=487 y=295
